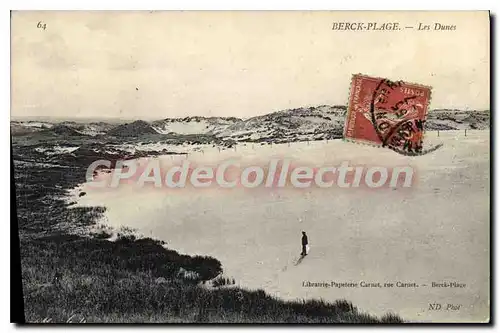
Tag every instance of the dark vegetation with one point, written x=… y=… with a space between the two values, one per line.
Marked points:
x=71 y=274
x=457 y=119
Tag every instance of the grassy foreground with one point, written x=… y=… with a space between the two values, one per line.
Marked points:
x=71 y=278
x=71 y=275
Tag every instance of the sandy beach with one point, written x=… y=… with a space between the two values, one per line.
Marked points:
x=435 y=232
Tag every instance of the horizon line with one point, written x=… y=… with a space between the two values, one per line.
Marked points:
x=124 y=119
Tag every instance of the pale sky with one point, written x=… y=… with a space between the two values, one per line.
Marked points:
x=89 y=64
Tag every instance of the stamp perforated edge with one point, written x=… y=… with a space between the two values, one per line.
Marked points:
x=348 y=112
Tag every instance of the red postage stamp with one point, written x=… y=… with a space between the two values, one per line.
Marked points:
x=387 y=113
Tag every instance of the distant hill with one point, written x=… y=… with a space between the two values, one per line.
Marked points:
x=445 y=119
x=60 y=128
x=308 y=123
x=134 y=129
x=300 y=124
x=63 y=130
x=194 y=125
x=92 y=129
x=28 y=127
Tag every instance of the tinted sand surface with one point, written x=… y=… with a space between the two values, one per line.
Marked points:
x=436 y=231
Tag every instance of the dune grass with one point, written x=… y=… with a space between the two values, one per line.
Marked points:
x=80 y=279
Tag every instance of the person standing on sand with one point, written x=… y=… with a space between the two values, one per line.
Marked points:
x=305 y=242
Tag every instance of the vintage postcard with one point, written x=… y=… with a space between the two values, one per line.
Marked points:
x=251 y=167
